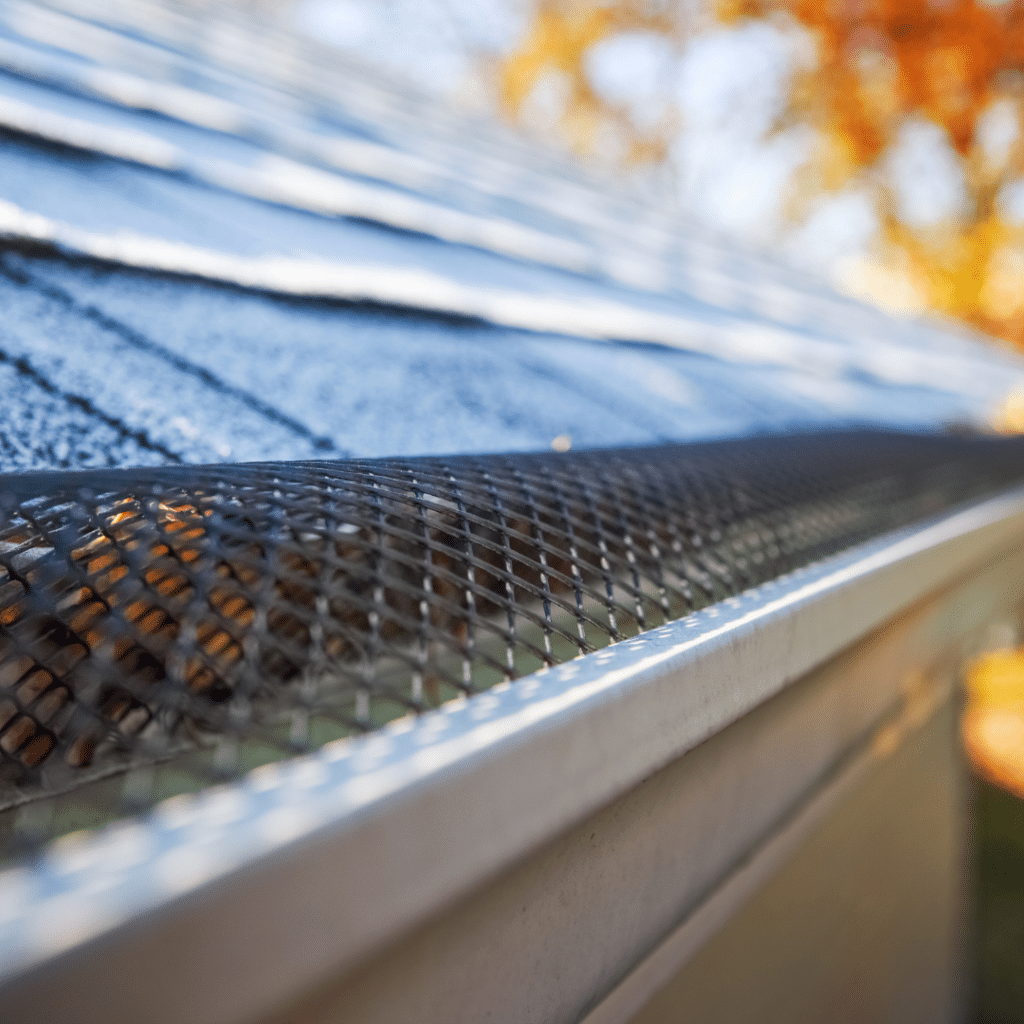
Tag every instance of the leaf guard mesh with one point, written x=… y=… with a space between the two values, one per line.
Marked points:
x=163 y=630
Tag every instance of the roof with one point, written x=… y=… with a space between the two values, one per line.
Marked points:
x=221 y=245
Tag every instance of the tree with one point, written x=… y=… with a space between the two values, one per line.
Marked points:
x=880 y=68
x=561 y=35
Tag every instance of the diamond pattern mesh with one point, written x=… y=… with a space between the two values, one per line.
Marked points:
x=165 y=630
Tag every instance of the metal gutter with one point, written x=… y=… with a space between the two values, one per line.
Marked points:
x=382 y=832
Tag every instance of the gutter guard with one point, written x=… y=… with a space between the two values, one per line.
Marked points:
x=162 y=631
x=428 y=807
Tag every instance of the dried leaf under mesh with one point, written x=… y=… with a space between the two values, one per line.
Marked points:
x=164 y=630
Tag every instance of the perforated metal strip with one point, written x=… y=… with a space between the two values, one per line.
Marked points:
x=164 y=630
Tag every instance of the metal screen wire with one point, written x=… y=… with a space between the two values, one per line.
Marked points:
x=165 y=630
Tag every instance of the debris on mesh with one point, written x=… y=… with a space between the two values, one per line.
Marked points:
x=163 y=630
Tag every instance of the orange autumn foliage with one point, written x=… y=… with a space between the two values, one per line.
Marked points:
x=879 y=65
x=561 y=34
x=993 y=722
